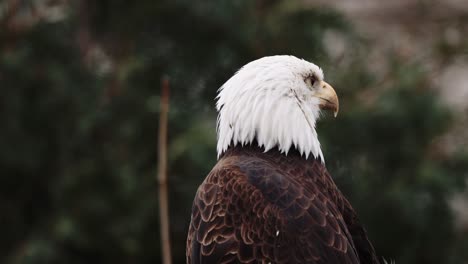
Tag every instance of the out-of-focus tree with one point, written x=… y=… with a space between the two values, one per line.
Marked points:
x=79 y=107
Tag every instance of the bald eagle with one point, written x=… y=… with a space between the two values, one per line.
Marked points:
x=269 y=198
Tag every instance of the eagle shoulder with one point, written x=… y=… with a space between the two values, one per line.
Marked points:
x=249 y=210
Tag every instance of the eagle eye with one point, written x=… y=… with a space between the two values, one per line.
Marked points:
x=310 y=80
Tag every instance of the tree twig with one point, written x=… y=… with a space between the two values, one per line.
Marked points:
x=162 y=174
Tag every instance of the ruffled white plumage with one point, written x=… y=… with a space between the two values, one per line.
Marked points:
x=268 y=101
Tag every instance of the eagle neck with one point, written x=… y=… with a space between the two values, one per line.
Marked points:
x=273 y=154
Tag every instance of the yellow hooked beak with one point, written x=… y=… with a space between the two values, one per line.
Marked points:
x=328 y=98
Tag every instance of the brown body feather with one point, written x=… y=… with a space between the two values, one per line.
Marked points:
x=257 y=207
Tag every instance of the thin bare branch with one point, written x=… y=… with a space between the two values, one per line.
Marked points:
x=162 y=174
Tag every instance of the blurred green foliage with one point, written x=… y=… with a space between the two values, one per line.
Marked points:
x=79 y=111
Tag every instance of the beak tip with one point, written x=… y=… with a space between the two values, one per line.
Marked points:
x=329 y=99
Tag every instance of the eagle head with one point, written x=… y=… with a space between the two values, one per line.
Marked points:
x=275 y=101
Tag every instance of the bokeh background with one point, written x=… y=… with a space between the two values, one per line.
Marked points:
x=79 y=108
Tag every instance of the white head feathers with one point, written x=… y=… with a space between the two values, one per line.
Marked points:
x=271 y=100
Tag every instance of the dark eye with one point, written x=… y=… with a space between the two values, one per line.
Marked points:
x=310 y=80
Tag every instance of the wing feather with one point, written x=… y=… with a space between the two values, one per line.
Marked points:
x=249 y=210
